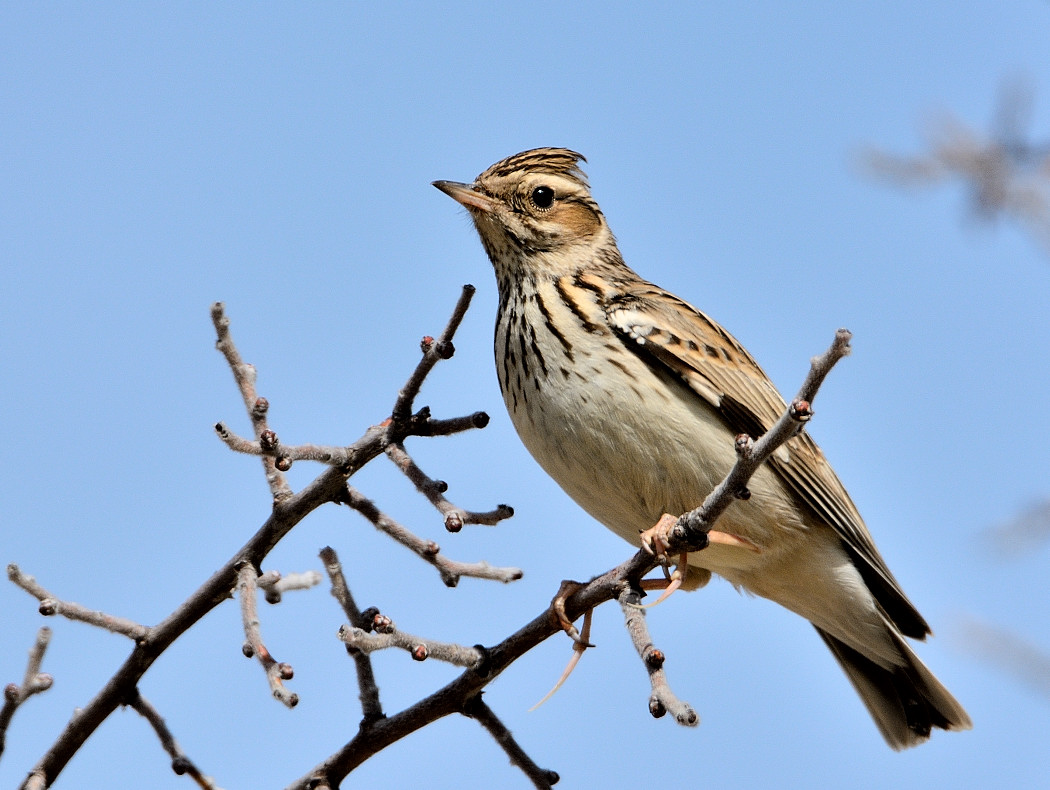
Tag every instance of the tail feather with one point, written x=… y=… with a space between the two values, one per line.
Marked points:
x=905 y=701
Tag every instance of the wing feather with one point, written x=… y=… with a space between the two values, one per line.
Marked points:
x=670 y=332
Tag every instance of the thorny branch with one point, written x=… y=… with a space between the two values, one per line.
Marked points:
x=289 y=508
x=482 y=664
x=615 y=584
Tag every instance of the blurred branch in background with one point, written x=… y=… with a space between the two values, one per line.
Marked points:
x=1022 y=534
x=998 y=646
x=1006 y=651
x=1006 y=174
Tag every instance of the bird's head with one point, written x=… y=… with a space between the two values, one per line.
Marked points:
x=533 y=211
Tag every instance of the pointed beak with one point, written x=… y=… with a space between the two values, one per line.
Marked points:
x=467 y=196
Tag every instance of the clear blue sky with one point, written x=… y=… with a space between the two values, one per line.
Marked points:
x=157 y=157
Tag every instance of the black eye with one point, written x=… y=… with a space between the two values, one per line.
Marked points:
x=542 y=197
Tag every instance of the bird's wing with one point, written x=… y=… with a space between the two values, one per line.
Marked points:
x=670 y=333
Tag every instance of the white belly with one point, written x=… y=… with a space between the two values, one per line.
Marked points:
x=626 y=464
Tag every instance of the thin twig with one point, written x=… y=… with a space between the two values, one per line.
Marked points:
x=50 y=605
x=691 y=528
x=371 y=708
x=662 y=700
x=33 y=682
x=245 y=375
x=450 y=570
x=542 y=778
x=420 y=649
x=274 y=586
x=1009 y=652
x=434 y=490
x=433 y=352
x=276 y=672
x=180 y=763
x=283 y=453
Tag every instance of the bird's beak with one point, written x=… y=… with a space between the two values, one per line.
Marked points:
x=467 y=196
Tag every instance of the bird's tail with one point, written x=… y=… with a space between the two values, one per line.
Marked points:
x=906 y=701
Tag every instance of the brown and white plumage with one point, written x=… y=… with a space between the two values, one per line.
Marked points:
x=630 y=398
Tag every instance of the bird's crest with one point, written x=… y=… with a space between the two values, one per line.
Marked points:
x=557 y=161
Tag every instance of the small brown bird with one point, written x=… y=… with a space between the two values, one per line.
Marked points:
x=630 y=399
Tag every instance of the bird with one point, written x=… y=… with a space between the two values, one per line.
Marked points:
x=630 y=399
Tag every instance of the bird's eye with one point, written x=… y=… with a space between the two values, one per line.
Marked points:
x=542 y=197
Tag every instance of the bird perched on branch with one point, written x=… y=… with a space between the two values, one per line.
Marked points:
x=630 y=398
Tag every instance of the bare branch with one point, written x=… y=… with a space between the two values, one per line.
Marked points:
x=1023 y=533
x=450 y=570
x=285 y=455
x=434 y=490
x=433 y=352
x=366 y=681
x=387 y=635
x=244 y=374
x=276 y=672
x=1005 y=173
x=288 y=511
x=180 y=763
x=274 y=585
x=33 y=682
x=1009 y=652
x=663 y=700
x=431 y=427
x=690 y=531
x=50 y=605
x=541 y=778
x=373 y=737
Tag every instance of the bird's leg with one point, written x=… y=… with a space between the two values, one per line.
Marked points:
x=656 y=541
x=581 y=643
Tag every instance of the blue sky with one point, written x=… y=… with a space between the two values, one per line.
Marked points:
x=156 y=158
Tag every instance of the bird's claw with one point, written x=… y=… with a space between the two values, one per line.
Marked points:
x=581 y=641
x=568 y=588
x=657 y=539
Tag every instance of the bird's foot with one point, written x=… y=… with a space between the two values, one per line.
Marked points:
x=656 y=540
x=557 y=610
x=581 y=639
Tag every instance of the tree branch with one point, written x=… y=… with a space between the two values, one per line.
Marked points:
x=50 y=605
x=366 y=681
x=33 y=682
x=373 y=737
x=288 y=510
x=663 y=700
x=541 y=778
x=690 y=532
x=180 y=763
x=276 y=672
x=450 y=570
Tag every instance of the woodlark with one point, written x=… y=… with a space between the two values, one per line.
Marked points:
x=630 y=399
